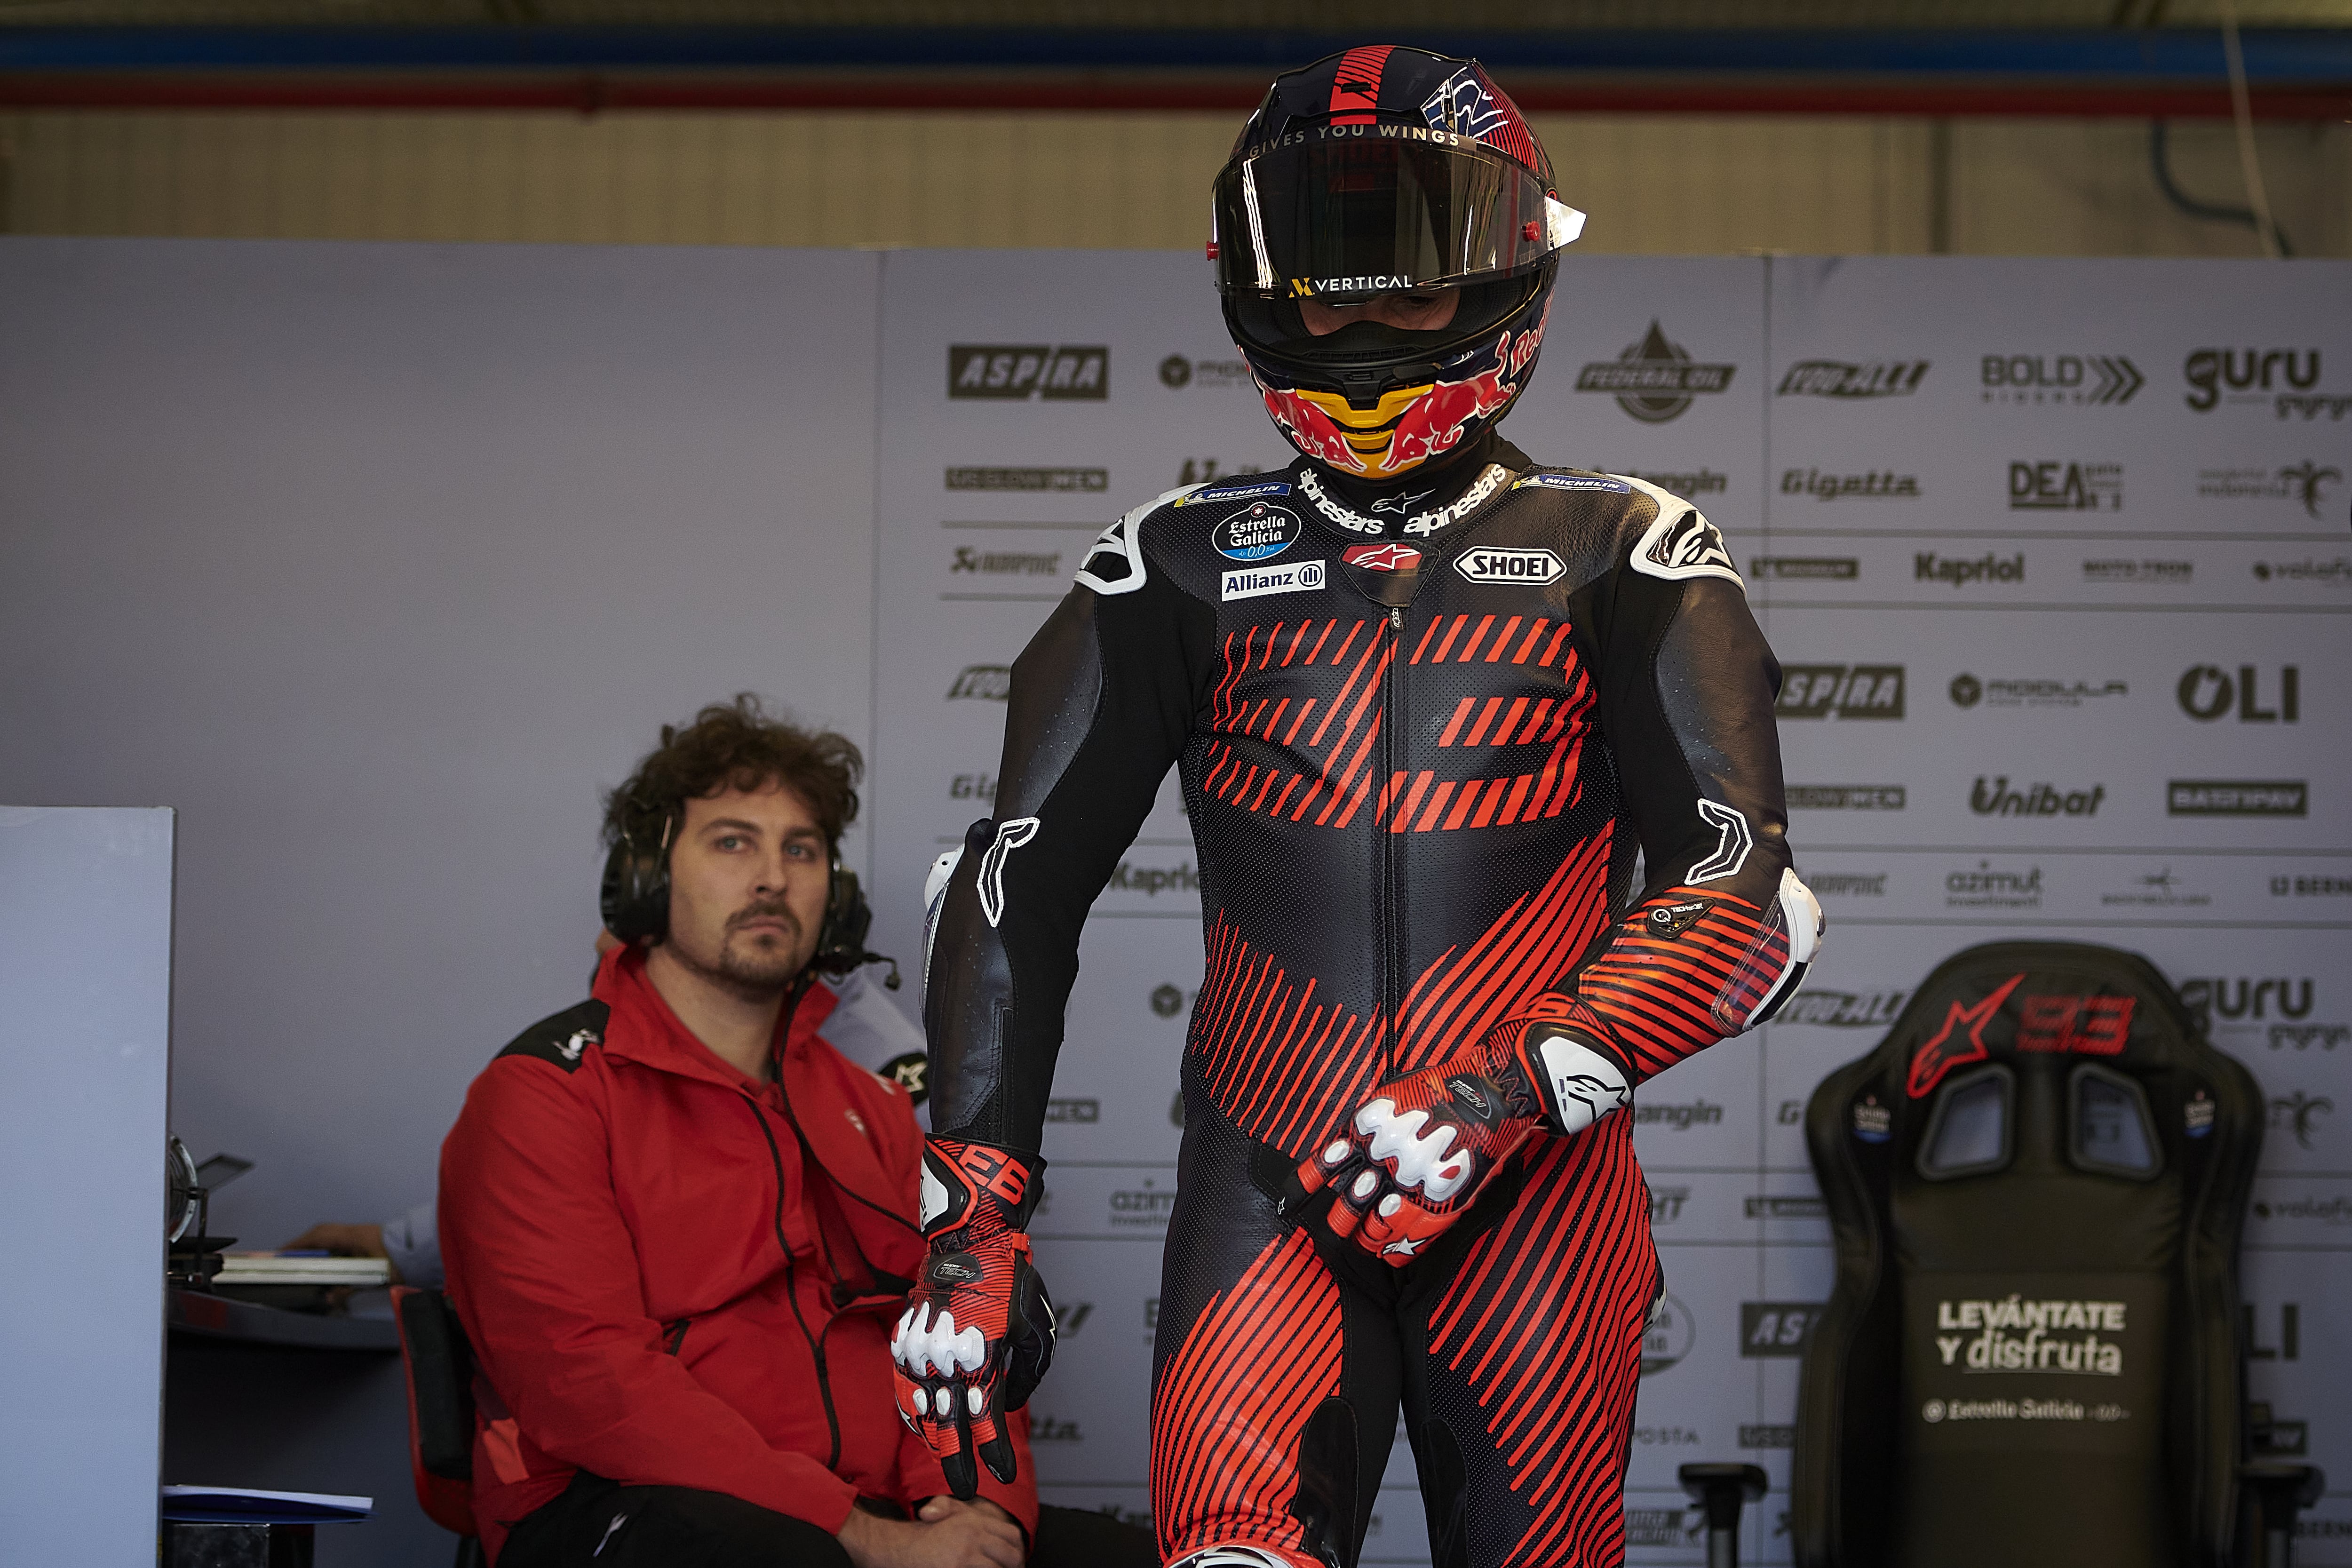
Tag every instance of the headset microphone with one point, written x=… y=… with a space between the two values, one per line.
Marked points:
x=841 y=941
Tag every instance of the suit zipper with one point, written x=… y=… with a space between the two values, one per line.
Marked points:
x=1392 y=894
x=792 y=1285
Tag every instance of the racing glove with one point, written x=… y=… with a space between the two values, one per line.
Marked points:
x=977 y=1331
x=1412 y=1159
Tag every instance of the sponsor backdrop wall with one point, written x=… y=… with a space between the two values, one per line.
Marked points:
x=2057 y=557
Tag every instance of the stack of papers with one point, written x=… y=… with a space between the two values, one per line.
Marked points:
x=251 y=1505
x=302 y=1268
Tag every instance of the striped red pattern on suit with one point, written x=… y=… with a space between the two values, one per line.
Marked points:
x=1285 y=1066
x=1336 y=740
x=1355 y=86
x=1529 y=948
x=1656 y=993
x=1344 y=730
x=1518 y=639
x=1228 y=1413
x=1282 y=1066
x=1543 y=1326
x=1542 y=791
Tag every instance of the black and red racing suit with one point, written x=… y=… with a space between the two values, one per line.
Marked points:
x=1421 y=755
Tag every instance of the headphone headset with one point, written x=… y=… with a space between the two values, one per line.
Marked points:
x=635 y=897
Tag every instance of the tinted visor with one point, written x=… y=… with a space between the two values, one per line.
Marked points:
x=1347 y=218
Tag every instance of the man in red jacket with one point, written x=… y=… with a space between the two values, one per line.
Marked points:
x=679 y=1227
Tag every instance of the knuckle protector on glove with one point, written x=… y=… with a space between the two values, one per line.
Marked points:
x=1425 y=1149
x=930 y=1343
x=1412 y=1159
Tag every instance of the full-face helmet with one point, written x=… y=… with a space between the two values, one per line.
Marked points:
x=1387 y=170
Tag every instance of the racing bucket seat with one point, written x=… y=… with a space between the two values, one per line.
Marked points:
x=2030 y=1356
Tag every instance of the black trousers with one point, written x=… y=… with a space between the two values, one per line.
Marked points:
x=598 y=1523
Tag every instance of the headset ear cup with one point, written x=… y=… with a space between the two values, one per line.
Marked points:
x=633 y=895
x=841 y=940
x=828 y=935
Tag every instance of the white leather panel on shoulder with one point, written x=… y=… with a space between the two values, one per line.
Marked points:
x=935 y=898
x=1680 y=544
x=1115 y=564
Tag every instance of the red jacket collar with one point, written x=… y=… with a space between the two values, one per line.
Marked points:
x=813 y=1091
x=644 y=1030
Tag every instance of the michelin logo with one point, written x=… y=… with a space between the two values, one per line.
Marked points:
x=1255 y=582
x=1574 y=482
x=1261 y=491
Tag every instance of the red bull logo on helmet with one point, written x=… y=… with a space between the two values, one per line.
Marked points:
x=1436 y=421
x=1410 y=425
x=1303 y=421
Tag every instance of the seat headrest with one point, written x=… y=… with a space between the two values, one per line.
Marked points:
x=2006 y=1000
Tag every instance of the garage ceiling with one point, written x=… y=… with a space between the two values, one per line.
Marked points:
x=1349 y=15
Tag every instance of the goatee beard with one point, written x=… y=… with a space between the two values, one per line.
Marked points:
x=762 y=975
x=751 y=973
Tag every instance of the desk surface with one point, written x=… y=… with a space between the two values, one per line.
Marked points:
x=194 y=1314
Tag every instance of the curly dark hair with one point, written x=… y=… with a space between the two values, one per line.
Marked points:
x=738 y=744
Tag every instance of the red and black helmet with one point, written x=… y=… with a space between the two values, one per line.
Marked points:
x=1387 y=170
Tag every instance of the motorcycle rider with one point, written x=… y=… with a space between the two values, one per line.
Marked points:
x=1429 y=700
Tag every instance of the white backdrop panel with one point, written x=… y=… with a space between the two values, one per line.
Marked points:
x=2058 y=566
x=1705 y=313
x=2118 y=369
x=86 y=966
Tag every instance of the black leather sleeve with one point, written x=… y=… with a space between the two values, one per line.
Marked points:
x=1686 y=693
x=1718 y=936
x=1103 y=702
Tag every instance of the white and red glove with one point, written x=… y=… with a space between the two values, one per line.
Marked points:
x=1412 y=1160
x=978 y=1331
